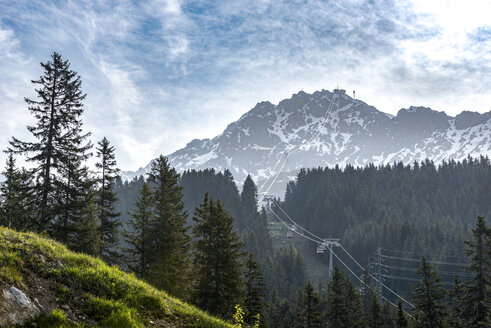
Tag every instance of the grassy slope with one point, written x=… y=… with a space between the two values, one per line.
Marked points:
x=78 y=290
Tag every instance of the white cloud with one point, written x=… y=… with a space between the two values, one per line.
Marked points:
x=159 y=73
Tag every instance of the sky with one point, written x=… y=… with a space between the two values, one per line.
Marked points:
x=159 y=73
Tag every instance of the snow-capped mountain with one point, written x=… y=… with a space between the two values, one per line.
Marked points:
x=327 y=129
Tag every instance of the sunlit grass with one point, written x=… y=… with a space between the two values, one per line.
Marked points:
x=104 y=294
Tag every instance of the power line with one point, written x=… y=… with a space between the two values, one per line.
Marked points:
x=409 y=252
x=446 y=283
x=319 y=240
x=419 y=260
x=341 y=261
x=412 y=269
x=380 y=282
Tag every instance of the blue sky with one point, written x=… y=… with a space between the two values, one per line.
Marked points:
x=160 y=73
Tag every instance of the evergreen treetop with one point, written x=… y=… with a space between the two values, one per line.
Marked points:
x=170 y=235
x=477 y=296
x=309 y=315
x=141 y=253
x=254 y=290
x=16 y=199
x=429 y=298
x=57 y=132
x=217 y=253
x=106 y=202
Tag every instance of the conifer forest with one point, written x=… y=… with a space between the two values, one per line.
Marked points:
x=393 y=246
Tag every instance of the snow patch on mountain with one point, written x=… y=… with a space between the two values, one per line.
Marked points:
x=327 y=129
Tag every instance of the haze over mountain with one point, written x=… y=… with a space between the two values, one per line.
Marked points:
x=353 y=133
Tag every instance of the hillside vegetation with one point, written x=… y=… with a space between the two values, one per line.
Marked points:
x=77 y=290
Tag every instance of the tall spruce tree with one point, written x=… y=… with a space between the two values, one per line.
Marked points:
x=401 y=320
x=254 y=224
x=354 y=305
x=337 y=308
x=106 y=202
x=171 y=270
x=17 y=208
x=429 y=298
x=248 y=199
x=87 y=238
x=375 y=315
x=477 y=297
x=74 y=194
x=387 y=315
x=456 y=304
x=367 y=293
x=58 y=111
x=282 y=313
x=217 y=259
x=254 y=291
x=139 y=236
x=309 y=315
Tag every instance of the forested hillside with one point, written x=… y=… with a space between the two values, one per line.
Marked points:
x=196 y=237
x=414 y=210
x=423 y=208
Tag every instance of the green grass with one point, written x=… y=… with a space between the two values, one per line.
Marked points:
x=104 y=296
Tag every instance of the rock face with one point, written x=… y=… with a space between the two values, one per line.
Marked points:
x=16 y=308
x=331 y=128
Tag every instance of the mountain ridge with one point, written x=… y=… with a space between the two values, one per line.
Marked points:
x=354 y=133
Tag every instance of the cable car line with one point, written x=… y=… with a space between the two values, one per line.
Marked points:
x=314 y=237
x=298 y=233
x=288 y=153
x=321 y=240
x=310 y=233
x=266 y=181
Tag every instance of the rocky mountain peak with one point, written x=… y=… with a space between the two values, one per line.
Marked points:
x=331 y=128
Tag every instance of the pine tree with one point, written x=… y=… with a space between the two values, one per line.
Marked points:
x=141 y=253
x=387 y=315
x=283 y=315
x=309 y=315
x=367 y=293
x=171 y=271
x=457 y=300
x=217 y=259
x=87 y=238
x=58 y=113
x=337 y=308
x=253 y=223
x=429 y=296
x=17 y=208
x=477 y=297
x=74 y=193
x=354 y=305
x=401 y=320
x=375 y=316
x=106 y=202
x=254 y=291
x=248 y=199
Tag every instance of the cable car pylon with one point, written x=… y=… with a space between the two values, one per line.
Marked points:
x=328 y=243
